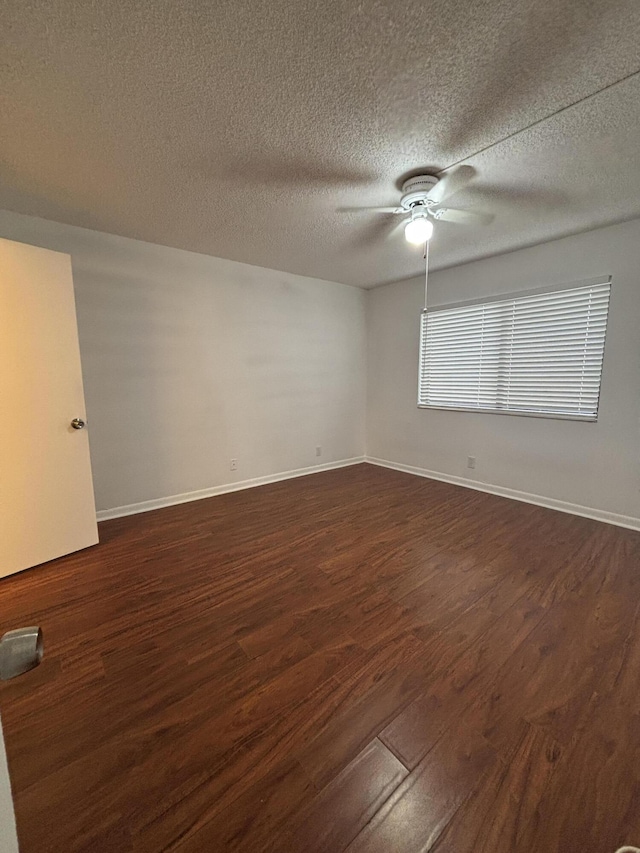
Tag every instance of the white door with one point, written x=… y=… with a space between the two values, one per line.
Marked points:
x=8 y=840
x=47 y=506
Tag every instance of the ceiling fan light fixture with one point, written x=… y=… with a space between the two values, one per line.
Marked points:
x=418 y=230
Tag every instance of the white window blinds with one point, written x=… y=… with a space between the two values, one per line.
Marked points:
x=536 y=354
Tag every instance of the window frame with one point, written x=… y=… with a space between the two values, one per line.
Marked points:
x=521 y=294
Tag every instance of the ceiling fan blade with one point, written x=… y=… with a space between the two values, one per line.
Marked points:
x=450 y=183
x=397 y=227
x=465 y=217
x=371 y=210
x=373 y=231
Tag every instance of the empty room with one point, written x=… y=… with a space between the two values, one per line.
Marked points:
x=319 y=448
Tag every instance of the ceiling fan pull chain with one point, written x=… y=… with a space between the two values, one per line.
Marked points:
x=426 y=272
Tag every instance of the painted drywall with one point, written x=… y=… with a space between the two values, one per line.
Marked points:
x=190 y=361
x=591 y=465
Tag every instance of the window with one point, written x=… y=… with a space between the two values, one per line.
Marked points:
x=538 y=353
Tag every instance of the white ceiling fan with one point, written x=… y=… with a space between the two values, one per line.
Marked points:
x=421 y=202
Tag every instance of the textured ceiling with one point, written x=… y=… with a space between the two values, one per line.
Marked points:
x=238 y=128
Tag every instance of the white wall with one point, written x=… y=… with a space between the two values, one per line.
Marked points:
x=190 y=361
x=593 y=465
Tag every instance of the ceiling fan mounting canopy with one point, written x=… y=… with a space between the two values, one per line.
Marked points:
x=416 y=191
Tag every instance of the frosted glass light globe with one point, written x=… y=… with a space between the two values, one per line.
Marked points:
x=418 y=231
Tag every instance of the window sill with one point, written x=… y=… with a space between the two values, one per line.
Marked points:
x=553 y=416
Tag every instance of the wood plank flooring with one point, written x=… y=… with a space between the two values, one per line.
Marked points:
x=359 y=660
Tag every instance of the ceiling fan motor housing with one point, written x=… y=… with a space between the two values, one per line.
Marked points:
x=415 y=191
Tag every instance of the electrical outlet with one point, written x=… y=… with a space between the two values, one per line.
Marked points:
x=318 y=451
x=233 y=465
x=471 y=461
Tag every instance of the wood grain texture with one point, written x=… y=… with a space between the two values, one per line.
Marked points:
x=356 y=660
x=348 y=802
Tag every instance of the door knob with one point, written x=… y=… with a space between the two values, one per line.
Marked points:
x=20 y=651
x=78 y=423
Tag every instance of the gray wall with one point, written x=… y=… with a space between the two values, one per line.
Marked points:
x=594 y=465
x=190 y=361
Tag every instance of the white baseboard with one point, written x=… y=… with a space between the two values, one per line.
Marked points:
x=158 y=503
x=539 y=500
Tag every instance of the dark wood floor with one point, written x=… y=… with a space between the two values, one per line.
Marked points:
x=357 y=660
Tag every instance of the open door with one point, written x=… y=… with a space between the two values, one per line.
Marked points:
x=8 y=837
x=47 y=505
